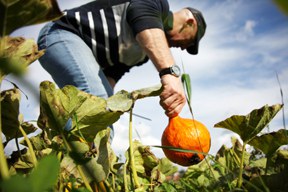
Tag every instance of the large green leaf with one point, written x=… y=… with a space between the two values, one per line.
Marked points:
x=247 y=127
x=15 y=14
x=10 y=115
x=16 y=53
x=45 y=175
x=42 y=178
x=270 y=142
x=282 y=5
x=89 y=113
x=16 y=183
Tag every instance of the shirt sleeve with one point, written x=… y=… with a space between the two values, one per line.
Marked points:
x=147 y=14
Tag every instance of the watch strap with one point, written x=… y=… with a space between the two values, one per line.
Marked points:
x=165 y=71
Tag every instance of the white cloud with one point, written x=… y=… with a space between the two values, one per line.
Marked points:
x=247 y=32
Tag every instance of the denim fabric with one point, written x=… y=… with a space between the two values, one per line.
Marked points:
x=70 y=61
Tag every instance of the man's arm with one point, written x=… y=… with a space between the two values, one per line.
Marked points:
x=154 y=42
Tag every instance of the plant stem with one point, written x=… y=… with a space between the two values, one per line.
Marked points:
x=30 y=148
x=113 y=182
x=101 y=186
x=125 y=177
x=3 y=163
x=239 y=183
x=132 y=163
x=111 y=189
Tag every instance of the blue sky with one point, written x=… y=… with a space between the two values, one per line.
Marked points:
x=245 y=45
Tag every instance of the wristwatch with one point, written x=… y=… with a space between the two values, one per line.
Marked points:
x=173 y=70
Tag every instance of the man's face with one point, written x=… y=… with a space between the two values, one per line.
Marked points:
x=184 y=37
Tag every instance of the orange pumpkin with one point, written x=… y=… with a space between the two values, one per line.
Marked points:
x=186 y=134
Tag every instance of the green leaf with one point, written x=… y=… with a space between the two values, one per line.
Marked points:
x=282 y=5
x=162 y=170
x=166 y=187
x=273 y=182
x=42 y=178
x=16 y=53
x=89 y=114
x=15 y=14
x=247 y=127
x=121 y=102
x=10 y=112
x=144 y=159
x=148 y=165
x=38 y=143
x=187 y=84
x=201 y=177
x=21 y=160
x=45 y=175
x=270 y=142
x=138 y=159
x=229 y=158
x=10 y=115
x=16 y=183
x=146 y=92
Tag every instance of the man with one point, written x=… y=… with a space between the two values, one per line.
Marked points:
x=93 y=45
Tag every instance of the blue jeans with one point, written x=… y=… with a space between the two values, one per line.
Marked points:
x=70 y=61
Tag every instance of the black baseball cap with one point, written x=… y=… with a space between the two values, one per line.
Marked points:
x=201 y=25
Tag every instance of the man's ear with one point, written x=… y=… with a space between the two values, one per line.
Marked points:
x=190 y=22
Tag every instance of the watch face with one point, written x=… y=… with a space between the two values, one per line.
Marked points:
x=176 y=70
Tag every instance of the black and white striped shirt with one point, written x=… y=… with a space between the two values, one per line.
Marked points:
x=109 y=29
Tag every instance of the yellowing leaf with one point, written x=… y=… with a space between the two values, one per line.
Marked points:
x=89 y=114
x=10 y=115
x=16 y=53
x=15 y=14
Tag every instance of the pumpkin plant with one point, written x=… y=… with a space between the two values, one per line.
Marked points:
x=82 y=159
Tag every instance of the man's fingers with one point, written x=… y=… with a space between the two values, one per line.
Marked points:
x=172 y=105
x=174 y=112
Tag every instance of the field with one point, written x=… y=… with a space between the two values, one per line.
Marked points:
x=83 y=160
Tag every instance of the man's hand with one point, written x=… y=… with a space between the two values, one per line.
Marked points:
x=172 y=98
